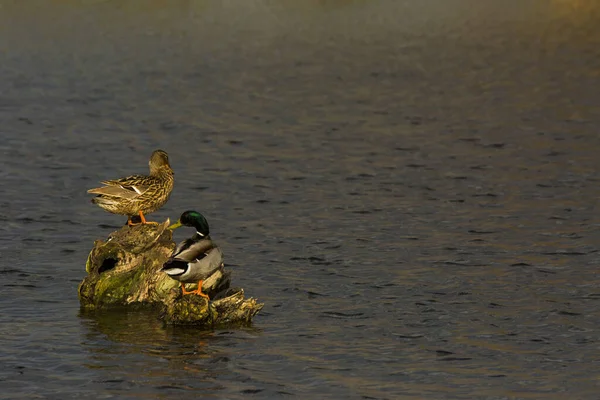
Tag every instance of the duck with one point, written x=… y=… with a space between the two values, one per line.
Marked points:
x=138 y=194
x=196 y=258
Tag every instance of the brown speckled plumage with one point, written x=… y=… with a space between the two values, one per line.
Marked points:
x=137 y=194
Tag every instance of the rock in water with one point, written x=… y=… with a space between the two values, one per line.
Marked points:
x=124 y=271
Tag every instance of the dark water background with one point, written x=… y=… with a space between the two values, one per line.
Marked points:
x=409 y=186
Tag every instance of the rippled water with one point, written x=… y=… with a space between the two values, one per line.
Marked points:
x=409 y=186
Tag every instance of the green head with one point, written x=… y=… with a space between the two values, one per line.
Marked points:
x=195 y=220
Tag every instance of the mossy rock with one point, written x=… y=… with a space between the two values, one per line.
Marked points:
x=124 y=271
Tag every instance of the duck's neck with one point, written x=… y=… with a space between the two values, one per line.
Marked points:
x=163 y=173
x=200 y=236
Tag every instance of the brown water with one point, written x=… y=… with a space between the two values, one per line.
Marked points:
x=409 y=186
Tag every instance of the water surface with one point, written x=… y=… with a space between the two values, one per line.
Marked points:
x=409 y=186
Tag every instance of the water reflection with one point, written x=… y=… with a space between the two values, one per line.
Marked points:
x=131 y=347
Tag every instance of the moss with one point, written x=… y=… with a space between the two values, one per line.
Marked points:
x=114 y=289
x=190 y=310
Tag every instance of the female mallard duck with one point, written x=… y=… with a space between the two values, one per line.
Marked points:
x=194 y=259
x=138 y=194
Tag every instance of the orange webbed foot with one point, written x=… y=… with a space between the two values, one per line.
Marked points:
x=144 y=222
x=197 y=291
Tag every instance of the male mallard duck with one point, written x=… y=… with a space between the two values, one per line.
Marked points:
x=194 y=259
x=138 y=194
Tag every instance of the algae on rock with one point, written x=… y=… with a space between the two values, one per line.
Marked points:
x=124 y=270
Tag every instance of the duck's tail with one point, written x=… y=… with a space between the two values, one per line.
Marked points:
x=174 y=267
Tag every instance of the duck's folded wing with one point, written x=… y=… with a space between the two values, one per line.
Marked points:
x=190 y=250
x=212 y=261
x=214 y=257
x=116 y=191
x=125 y=188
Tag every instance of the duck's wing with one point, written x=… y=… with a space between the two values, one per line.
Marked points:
x=125 y=188
x=190 y=249
x=205 y=266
